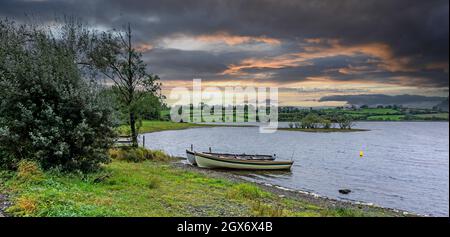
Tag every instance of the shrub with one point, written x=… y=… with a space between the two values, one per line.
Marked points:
x=134 y=155
x=114 y=153
x=48 y=112
x=24 y=206
x=138 y=154
x=29 y=171
x=247 y=191
x=261 y=209
x=325 y=123
x=154 y=182
x=159 y=155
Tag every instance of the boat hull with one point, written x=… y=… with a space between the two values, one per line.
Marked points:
x=206 y=161
x=191 y=157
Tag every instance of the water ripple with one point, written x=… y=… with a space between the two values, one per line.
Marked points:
x=405 y=164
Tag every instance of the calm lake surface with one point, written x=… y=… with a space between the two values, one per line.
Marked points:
x=405 y=164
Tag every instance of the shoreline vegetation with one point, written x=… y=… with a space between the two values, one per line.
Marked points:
x=160 y=185
x=149 y=126
x=323 y=130
x=364 y=113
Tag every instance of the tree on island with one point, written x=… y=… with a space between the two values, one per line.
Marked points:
x=120 y=62
x=311 y=121
x=345 y=121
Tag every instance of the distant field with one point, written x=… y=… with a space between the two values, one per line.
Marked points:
x=374 y=111
x=438 y=115
x=386 y=118
x=368 y=114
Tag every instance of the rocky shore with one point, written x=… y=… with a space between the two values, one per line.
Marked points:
x=298 y=195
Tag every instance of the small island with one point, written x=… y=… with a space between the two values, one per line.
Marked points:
x=314 y=122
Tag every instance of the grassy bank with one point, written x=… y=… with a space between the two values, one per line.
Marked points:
x=152 y=188
x=323 y=130
x=157 y=126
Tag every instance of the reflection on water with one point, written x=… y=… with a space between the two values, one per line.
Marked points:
x=405 y=164
x=263 y=174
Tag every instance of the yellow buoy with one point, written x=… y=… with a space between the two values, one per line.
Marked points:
x=361 y=154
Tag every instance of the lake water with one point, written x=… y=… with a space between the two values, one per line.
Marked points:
x=405 y=164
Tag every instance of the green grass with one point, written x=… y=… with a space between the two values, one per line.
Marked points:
x=165 y=113
x=437 y=115
x=154 y=189
x=386 y=118
x=373 y=114
x=246 y=191
x=374 y=111
x=157 y=126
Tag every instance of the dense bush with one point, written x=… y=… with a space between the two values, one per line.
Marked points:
x=29 y=171
x=132 y=154
x=345 y=121
x=246 y=191
x=50 y=113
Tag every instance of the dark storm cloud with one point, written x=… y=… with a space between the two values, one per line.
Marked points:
x=184 y=65
x=188 y=64
x=335 y=68
x=416 y=30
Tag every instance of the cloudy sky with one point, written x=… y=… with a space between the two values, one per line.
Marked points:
x=306 y=48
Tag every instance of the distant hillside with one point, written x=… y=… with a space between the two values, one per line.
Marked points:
x=443 y=105
x=410 y=101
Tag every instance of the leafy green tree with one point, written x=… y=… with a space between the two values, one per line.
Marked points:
x=345 y=121
x=121 y=63
x=48 y=112
x=311 y=121
x=325 y=123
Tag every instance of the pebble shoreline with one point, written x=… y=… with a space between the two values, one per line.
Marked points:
x=296 y=194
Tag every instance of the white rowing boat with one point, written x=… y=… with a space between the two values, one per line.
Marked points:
x=246 y=162
x=191 y=157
